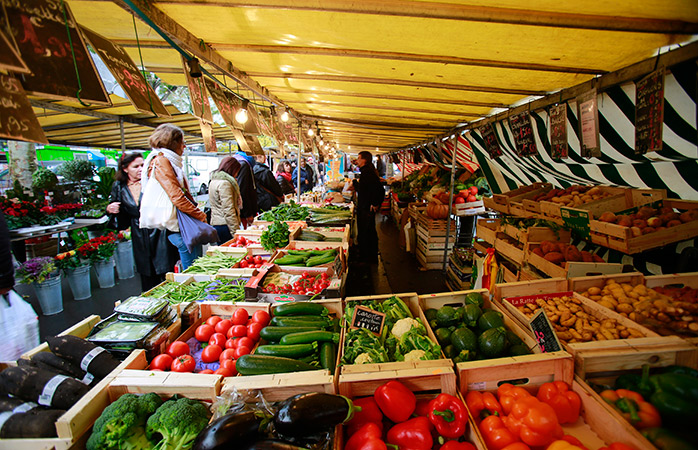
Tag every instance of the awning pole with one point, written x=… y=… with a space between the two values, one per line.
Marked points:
x=121 y=133
x=298 y=163
x=450 y=202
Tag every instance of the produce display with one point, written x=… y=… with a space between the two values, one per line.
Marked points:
x=473 y=332
x=285 y=212
x=315 y=236
x=211 y=264
x=330 y=215
x=222 y=290
x=303 y=284
x=239 y=241
x=573 y=196
x=250 y=261
x=558 y=253
x=307 y=258
x=276 y=236
x=648 y=220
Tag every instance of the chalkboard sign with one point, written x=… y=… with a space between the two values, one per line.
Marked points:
x=218 y=94
x=9 y=56
x=577 y=221
x=588 y=114
x=558 y=131
x=649 y=112
x=368 y=318
x=544 y=333
x=207 y=133
x=198 y=95
x=39 y=29
x=523 y=134
x=17 y=119
x=490 y=138
x=127 y=75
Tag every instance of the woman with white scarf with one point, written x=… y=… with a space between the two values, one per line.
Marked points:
x=164 y=165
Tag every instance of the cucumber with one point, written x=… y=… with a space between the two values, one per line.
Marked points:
x=300 y=309
x=328 y=355
x=289 y=260
x=310 y=336
x=331 y=251
x=300 y=321
x=287 y=351
x=319 y=260
x=274 y=334
x=299 y=252
x=264 y=364
x=311 y=236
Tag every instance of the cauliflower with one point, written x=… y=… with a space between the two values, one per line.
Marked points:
x=363 y=358
x=415 y=355
x=402 y=326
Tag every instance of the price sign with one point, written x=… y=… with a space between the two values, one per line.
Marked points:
x=17 y=118
x=558 y=131
x=544 y=333
x=577 y=221
x=221 y=99
x=490 y=138
x=9 y=58
x=198 y=95
x=368 y=318
x=209 y=138
x=649 y=112
x=523 y=134
x=588 y=113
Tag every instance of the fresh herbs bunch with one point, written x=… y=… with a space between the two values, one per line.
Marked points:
x=37 y=270
x=276 y=236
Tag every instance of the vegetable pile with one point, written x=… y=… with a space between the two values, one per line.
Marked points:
x=307 y=258
x=472 y=332
x=276 y=236
x=239 y=241
x=222 y=290
x=403 y=337
x=305 y=284
x=330 y=214
x=285 y=212
x=250 y=261
x=211 y=264
x=316 y=236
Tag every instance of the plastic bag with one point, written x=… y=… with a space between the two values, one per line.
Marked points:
x=157 y=210
x=20 y=326
x=195 y=232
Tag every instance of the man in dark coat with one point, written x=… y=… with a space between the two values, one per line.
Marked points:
x=370 y=194
x=269 y=193
x=305 y=175
x=248 y=190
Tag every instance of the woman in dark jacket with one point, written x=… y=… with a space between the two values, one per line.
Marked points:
x=283 y=177
x=269 y=193
x=124 y=204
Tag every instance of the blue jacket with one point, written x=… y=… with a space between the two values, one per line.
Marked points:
x=304 y=176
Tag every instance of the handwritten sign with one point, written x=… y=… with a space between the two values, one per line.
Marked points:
x=207 y=133
x=577 y=221
x=588 y=114
x=39 y=29
x=253 y=145
x=649 y=112
x=369 y=319
x=198 y=95
x=523 y=134
x=544 y=333
x=9 y=56
x=490 y=138
x=222 y=101
x=17 y=118
x=252 y=119
x=241 y=141
x=558 y=131
x=127 y=75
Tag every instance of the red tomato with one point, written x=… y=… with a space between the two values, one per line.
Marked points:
x=324 y=275
x=184 y=363
x=231 y=343
x=204 y=332
x=253 y=330
x=242 y=240
x=223 y=371
x=211 y=353
x=258 y=260
x=213 y=320
x=458 y=200
x=239 y=331
x=217 y=339
x=471 y=199
x=206 y=371
x=473 y=190
x=261 y=317
x=162 y=362
x=230 y=365
x=178 y=348
x=244 y=264
x=240 y=317
x=245 y=342
x=228 y=353
x=156 y=370
x=223 y=326
x=242 y=350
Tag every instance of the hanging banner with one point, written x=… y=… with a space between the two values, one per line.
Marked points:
x=207 y=133
x=588 y=115
x=120 y=64
x=222 y=102
x=490 y=138
x=17 y=119
x=649 y=112
x=9 y=56
x=39 y=29
x=335 y=169
x=201 y=108
x=523 y=134
x=558 y=131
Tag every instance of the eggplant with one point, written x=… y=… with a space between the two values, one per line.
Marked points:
x=273 y=444
x=236 y=429
x=312 y=413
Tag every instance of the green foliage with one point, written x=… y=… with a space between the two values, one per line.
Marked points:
x=276 y=236
x=77 y=170
x=44 y=180
x=106 y=180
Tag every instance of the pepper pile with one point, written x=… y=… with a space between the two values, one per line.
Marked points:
x=389 y=413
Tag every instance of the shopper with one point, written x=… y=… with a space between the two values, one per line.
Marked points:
x=124 y=207
x=224 y=198
x=164 y=165
x=305 y=177
x=370 y=194
x=248 y=190
x=269 y=193
x=284 y=178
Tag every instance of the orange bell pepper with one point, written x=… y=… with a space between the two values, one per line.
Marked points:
x=508 y=395
x=562 y=445
x=565 y=402
x=516 y=446
x=496 y=434
x=482 y=404
x=634 y=408
x=534 y=422
x=617 y=446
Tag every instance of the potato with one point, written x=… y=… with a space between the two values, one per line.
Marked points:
x=626 y=287
x=607 y=304
x=624 y=308
x=594 y=290
x=596 y=298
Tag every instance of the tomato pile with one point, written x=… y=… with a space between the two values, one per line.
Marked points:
x=241 y=241
x=307 y=284
x=466 y=196
x=251 y=262
x=223 y=341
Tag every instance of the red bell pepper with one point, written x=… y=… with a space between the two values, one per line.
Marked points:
x=565 y=402
x=373 y=444
x=634 y=408
x=508 y=395
x=414 y=434
x=369 y=413
x=423 y=407
x=395 y=401
x=368 y=431
x=534 y=422
x=455 y=445
x=482 y=404
x=497 y=436
x=617 y=446
x=517 y=446
x=449 y=416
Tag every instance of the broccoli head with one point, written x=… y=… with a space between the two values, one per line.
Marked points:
x=177 y=423
x=122 y=424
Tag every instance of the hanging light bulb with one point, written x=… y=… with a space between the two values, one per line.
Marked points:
x=241 y=115
x=321 y=141
x=284 y=115
x=310 y=132
x=194 y=68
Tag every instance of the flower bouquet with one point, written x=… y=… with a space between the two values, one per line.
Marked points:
x=77 y=272
x=100 y=251
x=43 y=274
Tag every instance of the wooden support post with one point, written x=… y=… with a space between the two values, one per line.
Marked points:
x=450 y=202
x=298 y=162
x=121 y=133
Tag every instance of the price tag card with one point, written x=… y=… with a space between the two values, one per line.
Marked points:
x=577 y=221
x=368 y=318
x=523 y=134
x=544 y=333
x=649 y=112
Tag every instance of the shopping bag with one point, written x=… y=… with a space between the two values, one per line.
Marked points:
x=157 y=210
x=195 y=232
x=20 y=327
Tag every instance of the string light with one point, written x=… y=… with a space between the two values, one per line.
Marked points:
x=241 y=115
x=310 y=131
x=284 y=115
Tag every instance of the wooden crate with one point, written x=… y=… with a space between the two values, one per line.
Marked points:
x=621 y=238
x=502 y=202
x=415 y=209
x=486 y=229
x=510 y=249
x=435 y=227
x=333 y=232
x=570 y=269
x=523 y=288
x=617 y=201
x=307 y=245
x=469 y=209
x=535 y=234
x=581 y=284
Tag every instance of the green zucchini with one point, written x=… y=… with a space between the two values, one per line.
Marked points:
x=264 y=364
x=307 y=235
x=289 y=260
x=299 y=252
x=300 y=309
x=274 y=334
x=305 y=337
x=300 y=321
x=328 y=355
x=287 y=351
x=329 y=251
x=318 y=260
